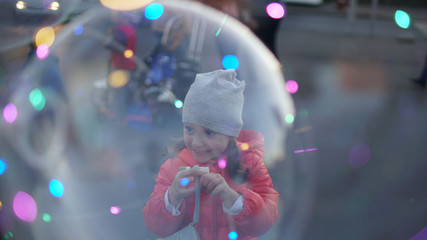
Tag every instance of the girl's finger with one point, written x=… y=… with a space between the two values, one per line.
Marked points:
x=184 y=192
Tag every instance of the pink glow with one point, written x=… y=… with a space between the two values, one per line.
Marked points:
x=222 y=163
x=275 y=10
x=359 y=155
x=292 y=86
x=10 y=113
x=115 y=210
x=42 y=51
x=305 y=150
x=311 y=149
x=25 y=207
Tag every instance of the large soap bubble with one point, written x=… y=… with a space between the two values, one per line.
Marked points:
x=109 y=85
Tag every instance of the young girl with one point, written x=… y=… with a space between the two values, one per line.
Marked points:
x=237 y=193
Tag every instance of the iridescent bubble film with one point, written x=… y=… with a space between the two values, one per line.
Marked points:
x=91 y=105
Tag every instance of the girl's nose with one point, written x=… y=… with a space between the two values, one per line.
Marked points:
x=198 y=141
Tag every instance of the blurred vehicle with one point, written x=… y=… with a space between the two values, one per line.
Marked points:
x=37 y=7
x=37 y=12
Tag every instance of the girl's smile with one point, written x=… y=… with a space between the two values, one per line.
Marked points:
x=203 y=143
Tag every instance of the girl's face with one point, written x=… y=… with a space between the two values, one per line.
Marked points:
x=203 y=143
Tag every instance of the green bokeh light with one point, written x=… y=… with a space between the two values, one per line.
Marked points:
x=303 y=113
x=8 y=235
x=46 y=217
x=402 y=19
x=178 y=103
x=289 y=118
x=37 y=99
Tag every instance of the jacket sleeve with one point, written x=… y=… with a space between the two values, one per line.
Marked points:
x=157 y=218
x=259 y=200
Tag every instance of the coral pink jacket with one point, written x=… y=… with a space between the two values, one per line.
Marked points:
x=259 y=198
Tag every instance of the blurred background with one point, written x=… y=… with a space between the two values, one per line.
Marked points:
x=91 y=92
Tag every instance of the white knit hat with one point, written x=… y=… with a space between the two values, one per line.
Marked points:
x=215 y=101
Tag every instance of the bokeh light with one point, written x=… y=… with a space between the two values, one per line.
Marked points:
x=128 y=53
x=303 y=129
x=222 y=163
x=232 y=235
x=275 y=10
x=78 y=30
x=402 y=19
x=289 y=118
x=359 y=155
x=178 y=103
x=124 y=5
x=1 y=205
x=139 y=116
x=162 y=66
x=115 y=210
x=10 y=113
x=37 y=99
x=118 y=78
x=56 y=188
x=303 y=113
x=244 y=146
x=421 y=235
x=54 y=6
x=24 y=207
x=3 y=166
x=292 y=86
x=305 y=150
x=230 y=62
x=42 y=51
x=21 y=5
x=184 y=182
x=46 y=217
x=154 y=11
x=8 y=235
x=46 y=36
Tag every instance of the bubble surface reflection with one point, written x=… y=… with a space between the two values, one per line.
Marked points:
x=88 y=136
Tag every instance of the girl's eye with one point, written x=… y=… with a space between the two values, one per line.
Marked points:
x=210 y=133
x=188 y=129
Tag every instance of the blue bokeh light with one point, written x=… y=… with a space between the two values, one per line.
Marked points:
x=56 y=188
x=230 y=62
x=3 y=166
x=232 y=235
x=162 y=66
x=185 y=182
x=78 y=30
x=154 y=11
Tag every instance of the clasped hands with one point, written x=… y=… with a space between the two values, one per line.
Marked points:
x=211 y=183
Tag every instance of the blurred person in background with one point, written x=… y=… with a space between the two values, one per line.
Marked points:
x=264 y=26
x=422 y=78
x=253 y=14
x=122 y=44
x=238 y=9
